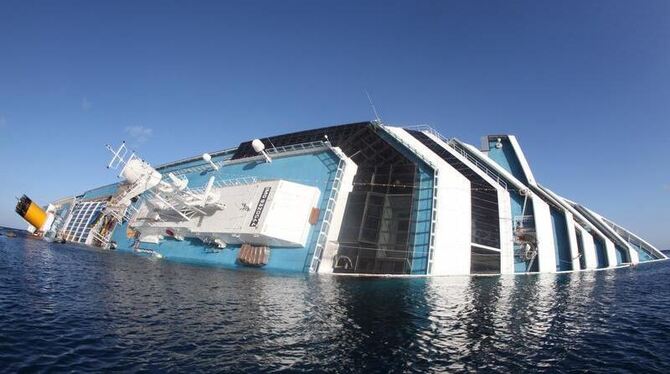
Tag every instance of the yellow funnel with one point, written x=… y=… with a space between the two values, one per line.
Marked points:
x=31 y=212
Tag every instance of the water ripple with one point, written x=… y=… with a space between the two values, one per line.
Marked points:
x=65 y=308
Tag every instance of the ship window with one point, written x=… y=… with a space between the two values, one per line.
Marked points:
x=621 y=255
x=601 y=252
x=484 y=261
x=372 y=217
x=351 y=224
x=580 y=249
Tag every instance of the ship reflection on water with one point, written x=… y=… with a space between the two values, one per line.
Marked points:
x=104 y=310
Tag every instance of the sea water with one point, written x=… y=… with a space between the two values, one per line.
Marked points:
x=71 y=308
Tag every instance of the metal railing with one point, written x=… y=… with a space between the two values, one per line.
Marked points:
x=524 y=222
x=104 y=241
x=270 y=151
x=132 y=210
x=429 y=130
x=453 y=143
x=634 y=240
x=196 y=169
x=410 y=147
x=327 y=216
x=239 y=181
x=174 y=164
x=296 y=147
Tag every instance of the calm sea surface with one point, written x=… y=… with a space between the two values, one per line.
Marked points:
x=68 y=308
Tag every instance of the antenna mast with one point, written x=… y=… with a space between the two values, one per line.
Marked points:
x=374 y=110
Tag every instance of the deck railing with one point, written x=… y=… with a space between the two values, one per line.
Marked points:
x=322 y=239
x=455 y=144
x=465 y=153
x=429 y=130
x=296 y=147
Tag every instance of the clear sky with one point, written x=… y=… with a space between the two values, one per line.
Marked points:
x=585 y=85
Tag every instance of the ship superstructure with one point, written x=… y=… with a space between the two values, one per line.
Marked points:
x=362 y=198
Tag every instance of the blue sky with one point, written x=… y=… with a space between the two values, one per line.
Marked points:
x=585 y=85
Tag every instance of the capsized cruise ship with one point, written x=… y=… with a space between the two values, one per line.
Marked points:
x=361 y=198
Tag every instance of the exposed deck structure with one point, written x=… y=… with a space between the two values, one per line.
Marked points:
x=361 y=198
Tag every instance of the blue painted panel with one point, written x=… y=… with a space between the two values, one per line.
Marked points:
x=100 y=192
x=642 y=254
x=197 y=162
x=507 y=158
x=621 y=255
x=601 y=252
x=580 y=249
x=561 y=240
x=423 y=207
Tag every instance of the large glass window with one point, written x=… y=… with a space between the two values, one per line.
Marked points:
x=485 y=218
x=580 y=248
x=484 y=261
x=601 y=252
